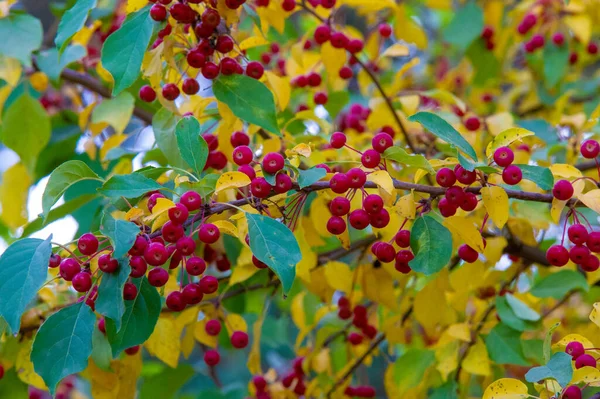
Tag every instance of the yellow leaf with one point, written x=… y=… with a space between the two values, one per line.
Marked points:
x=10 y=70
x=253 y=363
x=506 y=138
x=333 y=59
x=281 y=87
x=302 y=149
x=226 y=227
x=430 y=306
x=201 y=335
x=591 y=199
x=447 y=358
x=477 y=360
x=297 y=311
x=369 y=5
x=564 y=171
x=499 y=122
x=134 y=214
x=135 y=5
x=496 y=203
x=396 y=50
x=14 y=192
x=235 y=322
x=339 y=276
x=231 y=180
x=506 y=388
x=466 y=230
x=406 y=208
x=253 y=41
x=84 y=35
x=378 y=286
x=383 y=179
x=581 y=25
x=164 y=343
x=587 y=375
x=241 y=273
x=188 y=342
x=594 y=315
x=408 y=30
x=24 y=367
x=460 y=331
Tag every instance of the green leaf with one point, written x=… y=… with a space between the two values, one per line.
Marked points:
x=541 y=176
x=101 y=351
x=556 y=285
x=192 y=146
x=116 y=112
x=61 y=179
x=110 y=302
x=57 y=213
x=205 y=187
x=23 y=270
x=63 y=344
x=138 y=321
x=12 y=387
x=310 y=176
x=128 y=186
x=444 y=131
x=49 y=62
x=521 y=309
x=486 y=65
x=26 y=128
x=123 y=51
x=465 y=27
x=249 y=100
x=72 y=21
x=275 y=245
x=410 y=368
x=431 y=243
x=548 y=342
x=504 y=346
x=163 y=125
x=556 y=62
x=21 y=35
x=508 y=316
x=399 y=155
x=121 y=233
x=558 y=368
x=166 y=383
x=447 y=391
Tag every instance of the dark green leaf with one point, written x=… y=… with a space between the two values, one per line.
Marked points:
x=192 y=146
x=521 y=310
x=504 y=346
x=310 y=176
x=23 y=270
x=63 y=344
x=72 y=21
x=49 y=62
x=21 y=35
x=398 y=154
x=432 y=244
x=61 y=179
x=121 y=233
x=487 y=66
x=275 y=245
x=466 y=26
x=249 y=100
x=110 y=302
x=166 y=383
x=128 y=186
x=12 y=387
x=556 y=285
x=556 y=62
x=138 y=321
x=411 y=366
x=270 y=178
x=101 y=351
x=163 y=125
x=123 y=51
x=26 y=136
x=539 y=175
x=558 y=368
x=444 y=131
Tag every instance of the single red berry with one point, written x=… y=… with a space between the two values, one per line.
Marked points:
x=573 y=57
x=355 y=338
x=260 y=188
x=557 y=255
x=209 y=284
x=404 y=256
x=487 y=32
x=259 y=383
x=224 y=44
x=339 y=183
x=186 y=246
x=322 y=34
x=228 y=66
x=258 y=264
x=196 y=59
x=211 y=17
x=537 y=41
x=320 y=98
x=102 y=325
x=585 y=360
x=402 y=238
x=447 y=208
x=158 y=277
x=210 y=70
x=346 y=73
x=344 y=313
x=82 y=282
x=343 y=302
x=358 y=219
x=590 y=264
x=455 y=195
x=242 y=155
x=87 y=244
x=355 y=46
x=209 y=233
x=138 y=266
x=338 y=140
x=248 y=171
x=288 y=5
x=558 y=38
x=195 y=266
x=590 y=149
x=178 y=214
x=68 y=269
x=464 y=176
x=336 y=225
x=381 y=142
x=314 y=79
x=107 y=264
x=373 y=203
x=370 y=159
x=445 y=177
x=578 y=254
x=472 y=123
x=512 y=175
x=139 y=246
x=467 y=253
x=592 y=48
x=328 y=4
x=158 y=12
x=572 y=392
x=170 y=91
x=212 y=357
x=175 y=301
x=129 y=291
x=593 y=241
x=182 y=13
x=273 y=162
x=54 y=261
x=239 y=339
x=213 y=327
x=575 y=349
x=357 y=177
x=171 y=232
x=338 y=40
x=563 y=190
x=255 y=70
x=365 y=391
x=578 y=234
x=283 y=183
x=133 y=350
x=191 y=200
x=190 y=86
x=385 y=30
x=504 y=156
x=147 y=94
x=469 y=202
x=380 y=219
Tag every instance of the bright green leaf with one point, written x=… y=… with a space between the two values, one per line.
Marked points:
x=128 y=186
x=508 y=316
x=400 y=155
x=110 y=302
x=101 y=351
x=486 y=65
x=21 y=35
x=432 y=244
x=72 y=22
x=411 y=366
x=192 y=146
x=556 y=285
x=121 y=233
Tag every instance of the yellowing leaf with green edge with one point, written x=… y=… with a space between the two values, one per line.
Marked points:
x=242 y=272
x=116 y=112
x=10 y=70
x=333 y=59
x=396 y=50
x=253 y=41
x=164 y=343
x=506 y=388
x=408 y=30
x=339 y=276
x=226 y=227
x=587 y=375
x=201 y=335
x=24 y=366
x=231 y=180
x=591 y=199
x=447 y=358
x=565 y=171
x=562 y=344
x=460 y=331
x=495 y=200
x=302 y=149
x=595 y=314
x=104 y=384
x=477 y=360
x=14 y=191
x=506 y=138
x=383 y=180
x=466 y=230
x=281 y=87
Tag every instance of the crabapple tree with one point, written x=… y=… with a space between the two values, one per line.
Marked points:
x=300 y=199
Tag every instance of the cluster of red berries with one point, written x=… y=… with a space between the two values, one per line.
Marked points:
x=273 y=55
x=356 y=118
x=360 y=321
x=470 y=121
x=582 y=359
x=260 y=384
x=64 y=390
x=361 y=391
x=238 y=339
x=206 y=28
x=295 y=378
x=487 y=34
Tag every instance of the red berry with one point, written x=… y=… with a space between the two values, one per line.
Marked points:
x=339 y=40
x=592 y=48
x=158 y=277
x=196 y=59
x=578 y=234
x=209 y=284
x=139 y=246
x=213 y=327
x=283 y=183
x=170 y=91
x=558 y=38
x=445 y=177
x=590 y=149
x=210 y=70
x=579 y=253
x=339 y=183
x=182 y=13
x=504 y=156
x=186 y=246
x=328 y=4
x=563 y=190
x=373 y=203
x=178 y=214
x=357 y=177
x=260 y=187
x=153 y=199
x=87 y=244
x=255 y=70
x=314 y=79
x=171 y=232
x=190 y=86
x=191 y=200
x=138 y=266
x=467 y=253
x=487 y=32
x=211 y=17
x=224 y=44
x=575 y=349
x=464 y=176
x=147 y=94
x=336 y=225
x=107 y=264
x=228 y=66
x=469 y=202
x=346 y=73
x=593 y=241
x=209 y=233
x=472 y=123
x=54 y=261
x=590 y=264
x=82 y=281
x=129 y=291
x=68 y=269
x=370 y=159
x=557 y=255
x=380 y=219
x=359 y=219
x=381 y=142
x=101 y=326
x=212 y=357
x=385 y=30
x=573 y=58
x=320 y=98
x=512 y=175
x=322 y=34
x=195 y=266
x=273 y=162
x=239 y=339
x=344 y=313
x=585 y=360
x=355 y=338
x=288 y=5
x=259 y=383
x=365 y=391
x=402 y=238
x=338 y=140
x=447 y=208
x=242 y=155
x=175 y=301
x=158 y=12
x=572 y=392
x=355 y=46
x=133 y=350
x=455 y=195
